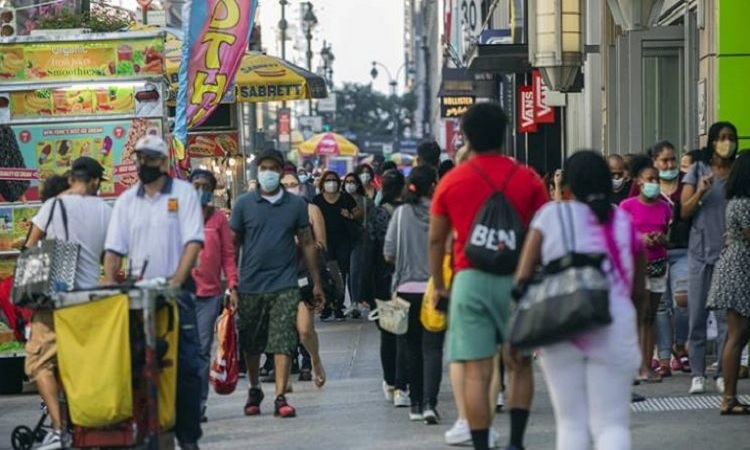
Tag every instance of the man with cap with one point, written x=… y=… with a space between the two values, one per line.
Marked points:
x=266 y=223
x=77 y=215
x=158 y=225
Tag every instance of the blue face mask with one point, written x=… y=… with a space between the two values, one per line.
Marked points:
x=206 y=197
x=651 y=190
x=304 y=178
x=668 y=175
x=268 y=180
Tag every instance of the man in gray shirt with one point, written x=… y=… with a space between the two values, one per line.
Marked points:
x=266 y=222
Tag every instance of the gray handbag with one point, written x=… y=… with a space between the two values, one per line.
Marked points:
x=570 y=297
x=48 y=267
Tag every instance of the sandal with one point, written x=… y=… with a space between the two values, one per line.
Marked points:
x=254 y=399
x=684 y=360
x=664 y=369
x=651 y=377
x=735 y=408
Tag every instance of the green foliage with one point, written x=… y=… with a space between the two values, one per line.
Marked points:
x=100 y=19
x=361 y=110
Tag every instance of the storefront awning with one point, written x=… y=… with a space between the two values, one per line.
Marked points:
x=458 y=82
x=500 y=58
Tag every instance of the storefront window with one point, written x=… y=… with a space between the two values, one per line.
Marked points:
x=662 y=87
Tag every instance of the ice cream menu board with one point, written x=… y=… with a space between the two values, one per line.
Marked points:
x=50 y=149
x=75 y=101
x=82 y=59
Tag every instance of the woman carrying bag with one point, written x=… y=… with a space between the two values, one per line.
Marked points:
x=590 y=391
x=406 y=247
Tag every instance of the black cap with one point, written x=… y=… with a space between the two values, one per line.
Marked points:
x=85 y=166
x=271 y=154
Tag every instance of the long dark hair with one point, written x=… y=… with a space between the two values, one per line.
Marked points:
x=587 y=174
x=419 y=184
x=713 y=136
x=357 y=181
x=738 y=183
x=392 y=186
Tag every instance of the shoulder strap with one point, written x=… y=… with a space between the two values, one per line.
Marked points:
x=489 y=180
x=64 y=217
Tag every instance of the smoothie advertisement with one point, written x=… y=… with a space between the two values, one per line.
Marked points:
x=49 y=149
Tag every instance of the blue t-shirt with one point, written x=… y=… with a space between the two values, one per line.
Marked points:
x=267 y=231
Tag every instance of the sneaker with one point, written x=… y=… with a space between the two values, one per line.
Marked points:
x=282 y=408
x=339 y=315
x=500 y=403
x=494 y=438
x=356 y=314
x=698 y=385
x=636 y=398
x=401 y=399
x=388 y=391
x=326 y=314
x=431 y=416
x=52 y=440
x=305 y=375
x=190 y=446
x=459 y=434
x=254 y=398
x=416 y=414
x=720 y=385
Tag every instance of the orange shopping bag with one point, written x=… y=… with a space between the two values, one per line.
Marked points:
x=225 y=367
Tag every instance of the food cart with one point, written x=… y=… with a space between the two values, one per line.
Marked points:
x=79 y=95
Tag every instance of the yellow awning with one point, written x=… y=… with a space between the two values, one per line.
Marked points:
x=328 y=144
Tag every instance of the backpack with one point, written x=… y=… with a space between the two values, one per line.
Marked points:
x=496 y=236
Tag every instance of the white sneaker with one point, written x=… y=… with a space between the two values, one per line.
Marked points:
x=494 y=437
x=500 y=403
x=401 y=399
x=720 y=385
x=459 y=434
x=416 y=414
x=388 y=392
x=52 y=440
x=698 y=385
x=431 y=416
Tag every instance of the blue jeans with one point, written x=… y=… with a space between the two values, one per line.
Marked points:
x=207 y=310
x=188 y=426
x=668 y=332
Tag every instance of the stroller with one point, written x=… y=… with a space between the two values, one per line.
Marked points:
x=24 y=438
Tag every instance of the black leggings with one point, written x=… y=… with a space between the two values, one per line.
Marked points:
x=432 y=351
x=340 y=251
x=410 y=345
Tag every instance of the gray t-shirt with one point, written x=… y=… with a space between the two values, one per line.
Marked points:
x=406 y=242
x=88 y=219
x=269 y=257
x=709 y=222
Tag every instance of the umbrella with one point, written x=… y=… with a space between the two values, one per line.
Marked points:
x=260 y=78
x=328 y=144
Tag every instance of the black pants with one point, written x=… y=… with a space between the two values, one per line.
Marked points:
x=409 y=346
x=432 y=352
x=340 y=251
x=394 y=370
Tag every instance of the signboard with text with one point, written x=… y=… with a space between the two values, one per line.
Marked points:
x=81 y=60
x=526 y=122
x=542 y=112
x=452 y=107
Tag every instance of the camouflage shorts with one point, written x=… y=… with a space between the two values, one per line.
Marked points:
x=268 y=322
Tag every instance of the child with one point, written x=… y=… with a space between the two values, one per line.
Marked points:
x=651 y=216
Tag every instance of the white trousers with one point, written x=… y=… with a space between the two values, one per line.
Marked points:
x=590 y=397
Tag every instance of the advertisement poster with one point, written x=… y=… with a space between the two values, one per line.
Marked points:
x=219 y=145
x=15 y=223
x=79 y=101
x=82 y=59
x=50 y=149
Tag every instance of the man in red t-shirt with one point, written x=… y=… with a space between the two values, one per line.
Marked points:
x=480 y=301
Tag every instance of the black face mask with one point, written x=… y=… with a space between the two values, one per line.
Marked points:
x=148 y=174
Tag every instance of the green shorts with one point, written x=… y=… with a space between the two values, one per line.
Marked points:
x=479 y=310
x=268 y=322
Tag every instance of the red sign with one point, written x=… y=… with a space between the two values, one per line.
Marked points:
x=284 y=125
x=526 y=121
x=542 y=112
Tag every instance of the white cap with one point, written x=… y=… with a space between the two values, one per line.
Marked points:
x=152 y=145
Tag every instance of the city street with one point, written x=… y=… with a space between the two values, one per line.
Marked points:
x=350 y=412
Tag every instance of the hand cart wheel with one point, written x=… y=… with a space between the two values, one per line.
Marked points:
x=22 y=438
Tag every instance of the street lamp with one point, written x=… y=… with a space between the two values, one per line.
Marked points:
x=309 y=21
x=327 y=56
x=556 y=40
x=393 y=82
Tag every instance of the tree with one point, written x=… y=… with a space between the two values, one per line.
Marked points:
x=360 y=110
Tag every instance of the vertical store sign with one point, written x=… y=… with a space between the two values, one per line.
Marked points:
x=284 y=128
x=542 y=112
x=526 y=106
x=216 y=35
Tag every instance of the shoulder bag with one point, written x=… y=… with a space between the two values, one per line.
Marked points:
x=48 y=267
x=572 y=296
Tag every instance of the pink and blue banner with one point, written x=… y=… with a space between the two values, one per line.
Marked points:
x=216 y=35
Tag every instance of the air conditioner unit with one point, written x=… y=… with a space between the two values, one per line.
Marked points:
x=8 y=22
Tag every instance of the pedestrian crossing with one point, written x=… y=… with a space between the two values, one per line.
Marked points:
x=690 y=403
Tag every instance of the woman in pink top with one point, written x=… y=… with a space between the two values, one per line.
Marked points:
x=216 y=257
x=651 y=215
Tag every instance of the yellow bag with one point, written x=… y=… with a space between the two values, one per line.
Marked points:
x=167 y=384
x=432 y=319
x=93 y=353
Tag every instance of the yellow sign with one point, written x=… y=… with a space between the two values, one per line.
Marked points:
x=81 y=60
x=38 y=103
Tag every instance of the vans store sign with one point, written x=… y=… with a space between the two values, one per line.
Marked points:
x=532 y=105
x=453 y=107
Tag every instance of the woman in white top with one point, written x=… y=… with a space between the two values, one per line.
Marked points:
x=590 y=391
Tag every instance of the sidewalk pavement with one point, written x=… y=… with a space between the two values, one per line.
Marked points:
x=351 y=413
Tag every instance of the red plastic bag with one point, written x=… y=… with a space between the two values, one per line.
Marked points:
x=225 y=367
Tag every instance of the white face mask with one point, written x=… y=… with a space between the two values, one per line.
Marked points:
x=351 y=188
x=617 y=184
x=726 y=148
x=365 y=177
x=331 y=186
x=293 y=190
